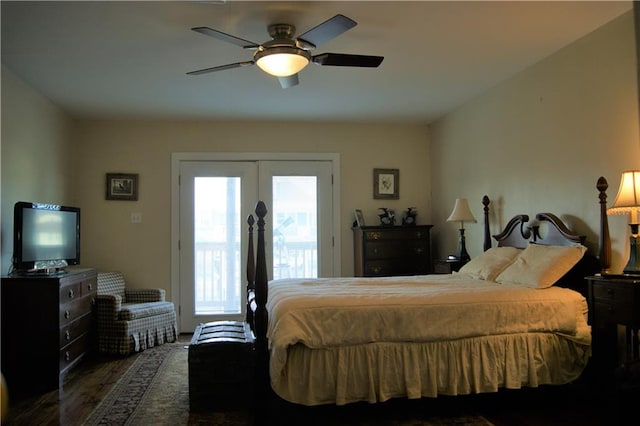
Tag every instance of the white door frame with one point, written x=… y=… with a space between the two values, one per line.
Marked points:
x=177 y=157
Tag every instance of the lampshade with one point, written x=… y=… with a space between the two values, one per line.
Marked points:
x=461 y=212
x=628 y=198
x=282 y=61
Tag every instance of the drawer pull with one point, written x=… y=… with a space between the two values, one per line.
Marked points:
x=67 y=314
x=374 y=251
x=67 y=356
x=71 y=294
x=610 y=291
x=67 y=335
x=418 y=250
x=90 y=286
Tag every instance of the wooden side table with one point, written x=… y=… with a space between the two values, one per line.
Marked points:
x=447 y=266
x=614 y=300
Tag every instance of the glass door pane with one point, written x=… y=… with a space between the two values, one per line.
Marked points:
x=217 y=265
x=299 y=194
x=295 y=227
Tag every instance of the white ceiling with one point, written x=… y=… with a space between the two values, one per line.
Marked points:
x=129 y=59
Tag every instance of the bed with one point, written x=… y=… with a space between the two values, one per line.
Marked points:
x=513 y=317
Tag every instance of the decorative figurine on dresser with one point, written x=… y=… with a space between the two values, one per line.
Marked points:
x=409 y=218
x=387 y=216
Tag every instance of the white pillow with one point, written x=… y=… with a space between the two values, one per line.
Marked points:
x=540 y=266
x=489 y=264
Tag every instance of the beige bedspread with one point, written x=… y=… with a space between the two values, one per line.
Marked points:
x=330 y=313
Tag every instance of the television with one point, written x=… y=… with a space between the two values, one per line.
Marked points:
x=46 y=237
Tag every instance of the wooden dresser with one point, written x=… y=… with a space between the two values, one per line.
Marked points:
x=395 y=250
x=47 y=327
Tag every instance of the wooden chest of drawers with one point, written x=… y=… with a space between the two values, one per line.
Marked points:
x=47 y=327
x=396 y=250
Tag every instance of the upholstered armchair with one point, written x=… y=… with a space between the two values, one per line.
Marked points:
x=132 y=320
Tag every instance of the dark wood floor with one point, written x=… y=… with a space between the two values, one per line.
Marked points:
x=582 y=403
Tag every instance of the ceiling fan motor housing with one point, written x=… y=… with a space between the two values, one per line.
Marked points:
x=281 y=30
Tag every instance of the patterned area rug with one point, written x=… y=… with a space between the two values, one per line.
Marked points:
x=155 y=391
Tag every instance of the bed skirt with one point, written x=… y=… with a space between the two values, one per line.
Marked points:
x=376 y=372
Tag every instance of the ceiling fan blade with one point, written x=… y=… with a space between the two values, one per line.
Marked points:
x=328 y=30
x=345 y=60
x=286 y=82
x=246 y=44
x=221 y=67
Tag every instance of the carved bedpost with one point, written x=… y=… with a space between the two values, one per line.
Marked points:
x=261 y=289
x=251 y=276
x=487 y=231
x=604 y=238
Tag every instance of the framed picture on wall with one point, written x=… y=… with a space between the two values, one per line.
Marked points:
x=386 y=184
x=122 y=186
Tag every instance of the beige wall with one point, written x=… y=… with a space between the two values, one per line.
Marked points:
x=37 y=155
x=142 y=251
x=539 y=141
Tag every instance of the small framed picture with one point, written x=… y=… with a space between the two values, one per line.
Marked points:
x=122 y=186
x=386 y=184
x=359 y=218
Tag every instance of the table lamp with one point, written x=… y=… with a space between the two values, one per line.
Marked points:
x=628 y=201
x=462 y=213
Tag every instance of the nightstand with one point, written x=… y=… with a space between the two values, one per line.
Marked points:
x=447 y=266
x=614 y=300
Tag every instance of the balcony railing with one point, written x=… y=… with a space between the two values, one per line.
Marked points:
x=295 y=260
x=220 y=278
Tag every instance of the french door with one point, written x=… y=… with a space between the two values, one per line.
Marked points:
x=215 y=198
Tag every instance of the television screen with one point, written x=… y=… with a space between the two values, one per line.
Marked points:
x=46 y=236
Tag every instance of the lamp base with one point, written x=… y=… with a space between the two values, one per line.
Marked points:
x=462 y=248
x=633 y=265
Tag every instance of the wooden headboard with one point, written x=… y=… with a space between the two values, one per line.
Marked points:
x=519 y=233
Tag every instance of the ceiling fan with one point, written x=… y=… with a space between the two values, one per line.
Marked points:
x=285 y=55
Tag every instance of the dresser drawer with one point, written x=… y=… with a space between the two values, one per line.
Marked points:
x=613 y=293
x=399 y=266
x=71 y=311
x=385 y=249
x=70 y=292
x=377 y=269
x=89 y=286
x=405 y=234
x=75 y=329
x=72 y=352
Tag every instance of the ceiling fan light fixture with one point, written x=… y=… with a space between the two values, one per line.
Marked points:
x=282 y=61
